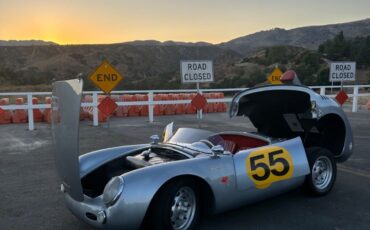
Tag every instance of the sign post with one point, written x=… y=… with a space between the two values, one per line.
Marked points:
x=342 y=71
x=197 y=71
x=199 y=112
x=106 y=77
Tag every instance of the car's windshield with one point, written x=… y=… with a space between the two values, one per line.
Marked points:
x=189 y=135
x=195 y=139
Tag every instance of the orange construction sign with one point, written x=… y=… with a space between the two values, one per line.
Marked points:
x=106 y=77
x=274 y=77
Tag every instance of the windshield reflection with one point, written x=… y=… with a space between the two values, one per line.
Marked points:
x=195 y=139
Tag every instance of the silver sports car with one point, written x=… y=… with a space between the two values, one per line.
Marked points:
x=170 y=183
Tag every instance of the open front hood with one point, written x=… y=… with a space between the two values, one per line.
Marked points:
x=66 y=102
x=272 y=109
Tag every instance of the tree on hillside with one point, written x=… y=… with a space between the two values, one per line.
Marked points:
x=340 y=49
x=336 y=48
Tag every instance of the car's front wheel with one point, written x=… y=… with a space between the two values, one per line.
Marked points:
x=176 y=206
x=323 y=171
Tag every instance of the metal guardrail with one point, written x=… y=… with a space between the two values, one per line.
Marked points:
x=94 y=104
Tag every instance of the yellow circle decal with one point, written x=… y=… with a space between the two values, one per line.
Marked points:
x=268 y=165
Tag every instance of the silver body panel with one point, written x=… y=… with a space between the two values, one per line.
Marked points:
x=142 y=184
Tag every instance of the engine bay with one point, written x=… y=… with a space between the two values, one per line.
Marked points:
x=93 y=183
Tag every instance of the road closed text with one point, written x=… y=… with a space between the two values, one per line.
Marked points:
x=196 y=71
x=342 y=71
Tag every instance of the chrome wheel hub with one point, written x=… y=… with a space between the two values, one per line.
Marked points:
x=322 y=172
x=183 y=208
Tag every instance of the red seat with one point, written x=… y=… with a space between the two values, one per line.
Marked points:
x=228 y=146
x=236 y=142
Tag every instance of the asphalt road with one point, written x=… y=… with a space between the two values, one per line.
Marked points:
x=30 y=196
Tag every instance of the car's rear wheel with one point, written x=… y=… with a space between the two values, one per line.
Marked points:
x=176 y=206
x=323 y=171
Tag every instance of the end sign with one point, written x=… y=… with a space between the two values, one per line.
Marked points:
x=274 y=77
x=106 y=77
x=342 y=71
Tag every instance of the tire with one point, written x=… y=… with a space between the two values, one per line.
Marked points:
x=323 y=171
x=177 y=206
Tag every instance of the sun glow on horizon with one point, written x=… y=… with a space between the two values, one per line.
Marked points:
x=113 y=21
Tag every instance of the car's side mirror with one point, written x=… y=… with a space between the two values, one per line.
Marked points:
x=217 y=150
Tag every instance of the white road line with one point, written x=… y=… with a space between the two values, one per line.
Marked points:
x=357 y=172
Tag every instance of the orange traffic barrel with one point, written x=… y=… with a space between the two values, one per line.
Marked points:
x=47 y=111
x=88 y=111
x=189 y=109
x=208 y=108
x=133 y=110
x=158 y=109
x=221 y=106
x=170 y=109
x=122 y=111
x=19 y=115
x=37 y=114
x=180 y=108
x=143 y=109
x=5 y=115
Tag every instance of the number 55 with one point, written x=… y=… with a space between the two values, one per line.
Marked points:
x=270 y=167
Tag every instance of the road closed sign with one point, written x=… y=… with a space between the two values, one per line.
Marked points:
x=196 y=71
x=342 y=71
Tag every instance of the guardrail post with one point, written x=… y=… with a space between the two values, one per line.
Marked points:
x=322 y=90
x=31 y=124
x=151 y=106
x=355 y=99
x=95 y=109
x=201 y=111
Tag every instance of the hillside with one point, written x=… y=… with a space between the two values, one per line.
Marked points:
x=309 y=37
x=144 y=66
x=150 y=64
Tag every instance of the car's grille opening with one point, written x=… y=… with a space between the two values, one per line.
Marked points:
x=91 y=216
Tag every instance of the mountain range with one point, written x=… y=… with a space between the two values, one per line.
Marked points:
x=150 y=63
x=309 y=37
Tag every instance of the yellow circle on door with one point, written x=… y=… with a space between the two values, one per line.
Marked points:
x=269 y=164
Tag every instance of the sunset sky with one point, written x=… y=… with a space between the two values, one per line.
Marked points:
x=215 y=21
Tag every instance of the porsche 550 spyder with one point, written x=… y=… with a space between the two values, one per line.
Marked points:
x=169 y=183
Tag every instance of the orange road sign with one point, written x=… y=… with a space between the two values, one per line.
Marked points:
x=341 y=97
x=199 y=101
x=107 y=106
x=274 y=77
x=106 y=77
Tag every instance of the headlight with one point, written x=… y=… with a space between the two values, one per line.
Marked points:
x=113 y=190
